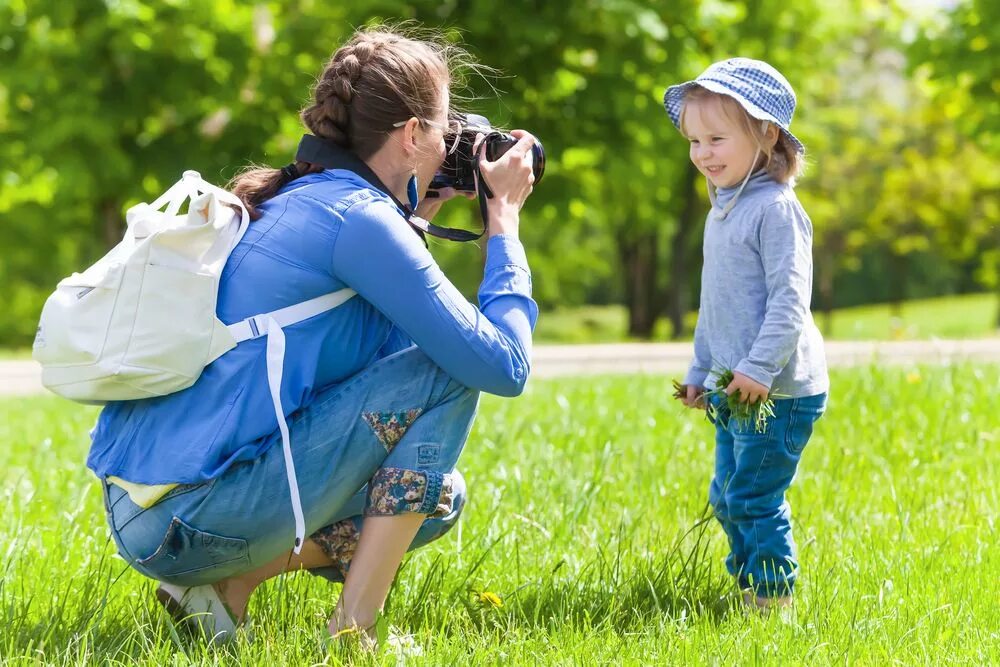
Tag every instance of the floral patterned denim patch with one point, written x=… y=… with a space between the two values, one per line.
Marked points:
x=389 y=427
x=397 y=490
x=338 y=541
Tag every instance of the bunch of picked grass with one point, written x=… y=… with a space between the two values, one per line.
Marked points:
x=745 y=413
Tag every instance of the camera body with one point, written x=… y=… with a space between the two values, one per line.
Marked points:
x=459 y=168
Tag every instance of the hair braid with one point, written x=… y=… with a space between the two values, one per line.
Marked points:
x=329 y=116
x=376 y=79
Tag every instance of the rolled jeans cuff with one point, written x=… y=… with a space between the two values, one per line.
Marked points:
x=395 y=491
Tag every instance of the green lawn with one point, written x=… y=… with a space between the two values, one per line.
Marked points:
x=585 y=502
x=965 y=316
x=17 y=353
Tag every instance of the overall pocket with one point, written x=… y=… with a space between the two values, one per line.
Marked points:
x=186 y=550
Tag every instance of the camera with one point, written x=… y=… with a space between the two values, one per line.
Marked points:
x=459 y=168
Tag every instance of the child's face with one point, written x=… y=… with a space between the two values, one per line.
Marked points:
x=720 y=148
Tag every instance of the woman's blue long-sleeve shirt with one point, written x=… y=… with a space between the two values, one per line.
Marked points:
x=325 y=232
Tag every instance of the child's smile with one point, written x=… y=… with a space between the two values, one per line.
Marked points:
x=720 y=148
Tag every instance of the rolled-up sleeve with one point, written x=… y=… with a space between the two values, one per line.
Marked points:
x=487 y=348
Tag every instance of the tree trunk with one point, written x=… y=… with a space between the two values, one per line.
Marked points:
x=639 y=254
x=898 y=265
x=826 y=280
x=826 y=275
x=898 y=268
x=682 y=255
x=112 y=223
x=998 y=304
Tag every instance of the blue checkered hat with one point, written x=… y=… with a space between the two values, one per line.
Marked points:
x=759 y=88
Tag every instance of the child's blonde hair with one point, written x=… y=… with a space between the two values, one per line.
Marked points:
x=782 y=161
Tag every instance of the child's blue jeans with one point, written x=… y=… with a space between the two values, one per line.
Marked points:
x=381 y=443
x=752 y=472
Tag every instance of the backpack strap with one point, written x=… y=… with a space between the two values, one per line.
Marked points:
x=259 y=325
x=271 y=325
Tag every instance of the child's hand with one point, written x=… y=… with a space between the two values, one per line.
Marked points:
x=690 y=395
x=695 y=397
x=751 y=391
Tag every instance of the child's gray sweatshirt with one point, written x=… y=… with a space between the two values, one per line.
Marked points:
x=756 y=285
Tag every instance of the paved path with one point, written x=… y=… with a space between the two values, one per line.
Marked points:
x=18 y=378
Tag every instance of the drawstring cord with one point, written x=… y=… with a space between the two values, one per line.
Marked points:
x=732 y=202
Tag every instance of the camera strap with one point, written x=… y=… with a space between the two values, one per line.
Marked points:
x=315 y=150
x=485 y=192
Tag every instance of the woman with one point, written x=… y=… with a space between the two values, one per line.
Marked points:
x=379 y=393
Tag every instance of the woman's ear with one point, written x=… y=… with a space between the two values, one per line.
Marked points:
x=409 y=136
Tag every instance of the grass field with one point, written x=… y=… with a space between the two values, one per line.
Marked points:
x=964 y=316
x=584 y=516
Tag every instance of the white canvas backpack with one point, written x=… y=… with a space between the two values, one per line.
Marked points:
x=141 y=322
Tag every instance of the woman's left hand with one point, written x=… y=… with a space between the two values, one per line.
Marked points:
x=751 y=391
x=433 y=199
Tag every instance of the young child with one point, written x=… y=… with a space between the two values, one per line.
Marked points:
x=754 y=316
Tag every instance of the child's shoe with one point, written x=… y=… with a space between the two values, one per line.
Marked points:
x=761 y=603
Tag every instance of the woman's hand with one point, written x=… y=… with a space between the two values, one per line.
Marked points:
x=434 y=199
x=511 y=179
x=751 y=391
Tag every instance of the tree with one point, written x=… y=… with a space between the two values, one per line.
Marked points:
x=952 y=55
x=106 y=106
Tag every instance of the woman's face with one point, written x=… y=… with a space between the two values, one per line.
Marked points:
x=430 y=144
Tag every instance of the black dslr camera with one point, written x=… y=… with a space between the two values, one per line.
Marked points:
x=459 y=168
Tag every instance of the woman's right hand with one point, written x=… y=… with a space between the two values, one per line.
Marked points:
x=511 y=179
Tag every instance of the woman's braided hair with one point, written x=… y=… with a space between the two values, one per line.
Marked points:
x=379 y=77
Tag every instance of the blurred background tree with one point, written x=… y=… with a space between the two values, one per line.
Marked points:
x=104 y=103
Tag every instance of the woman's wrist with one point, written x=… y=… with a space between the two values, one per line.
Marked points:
x=502 y=220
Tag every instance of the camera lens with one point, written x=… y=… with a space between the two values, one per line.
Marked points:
x=498 y=143
x=538 y=160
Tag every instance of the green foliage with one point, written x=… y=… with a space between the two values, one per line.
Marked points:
x=957 y=58
x=103 y=104
x=586 y=520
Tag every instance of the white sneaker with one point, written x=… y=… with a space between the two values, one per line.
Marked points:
x=200 y=608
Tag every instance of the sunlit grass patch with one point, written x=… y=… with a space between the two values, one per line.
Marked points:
x=586 y=540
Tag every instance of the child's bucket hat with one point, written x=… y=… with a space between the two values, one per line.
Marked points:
x=759 y=88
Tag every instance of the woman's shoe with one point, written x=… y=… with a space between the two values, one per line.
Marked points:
x=402 y=646
x=347 y=641
x=200 y=608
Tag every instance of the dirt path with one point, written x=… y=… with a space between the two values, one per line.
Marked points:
x=23 y=377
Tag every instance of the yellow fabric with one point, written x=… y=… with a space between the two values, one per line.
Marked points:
x=143 y=495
